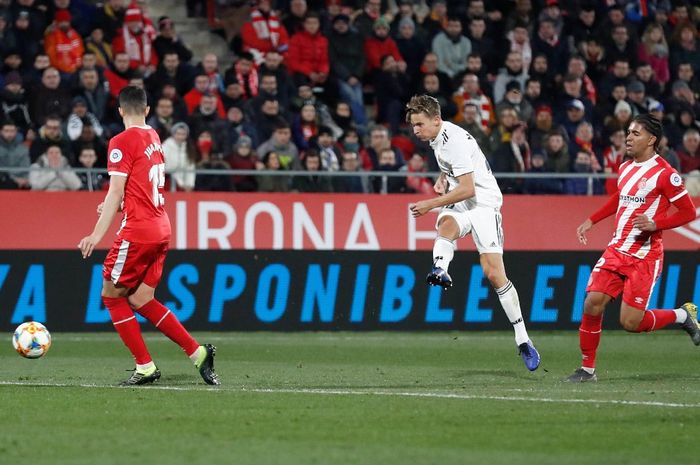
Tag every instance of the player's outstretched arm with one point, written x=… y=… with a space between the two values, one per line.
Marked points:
x=109 y=210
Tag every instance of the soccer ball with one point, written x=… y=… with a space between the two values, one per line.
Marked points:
x=31 y=339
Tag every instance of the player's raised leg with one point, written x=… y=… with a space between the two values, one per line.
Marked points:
x=144 y=302
x=129 y=331
x=443 y=252
x=643 y=321
x=494 y=270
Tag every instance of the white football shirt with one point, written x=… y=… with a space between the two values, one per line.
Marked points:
x=457 y=153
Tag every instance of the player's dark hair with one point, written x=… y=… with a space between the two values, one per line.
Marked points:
x=652 y=125
x=422 y=104
x=132 y=100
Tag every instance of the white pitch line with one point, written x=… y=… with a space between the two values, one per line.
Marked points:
x=354 y=392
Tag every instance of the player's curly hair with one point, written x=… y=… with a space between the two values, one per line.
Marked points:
x=422 y=104
x=652 y=125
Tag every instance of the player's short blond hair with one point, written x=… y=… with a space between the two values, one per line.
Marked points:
x=422 y=104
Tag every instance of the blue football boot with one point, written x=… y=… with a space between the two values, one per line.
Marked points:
x=530 y=355
x=439 y=277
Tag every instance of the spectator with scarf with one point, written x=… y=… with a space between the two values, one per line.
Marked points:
x=264 y=32
x=133 y=39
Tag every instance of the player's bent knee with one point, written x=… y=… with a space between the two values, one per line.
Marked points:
x=629 y=324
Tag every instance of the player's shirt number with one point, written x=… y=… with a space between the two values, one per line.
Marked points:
x=157 y=177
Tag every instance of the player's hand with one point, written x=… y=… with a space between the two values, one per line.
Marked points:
x=581 y=231
x=87 y=245
x=99 y=208
x=440 y=187
x=643 y=223
x=419 y=208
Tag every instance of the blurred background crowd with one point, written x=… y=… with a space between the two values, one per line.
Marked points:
x=545 y=86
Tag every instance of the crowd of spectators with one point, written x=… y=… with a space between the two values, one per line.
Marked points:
x=545 y=86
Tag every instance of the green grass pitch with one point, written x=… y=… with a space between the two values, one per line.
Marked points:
x=355 y=398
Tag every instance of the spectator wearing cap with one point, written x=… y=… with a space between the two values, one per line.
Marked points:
x=63 y=44
x=411 y=46
x=14 y=101
x=638 y=99
x=347 y=59
x=79 y=116
x=13 y=154
x=622 y=114
x=575 y=113
x=52 y=172
x=133 y=39
x=307 y=59
x=168 y=40
x=451 y=48
x=409 y=10
x=324 y=144
x=513 y=71
x=364 y=22
x=379 y=45
x=513 y=98
x=49 y=97
x=180 y=157
x=243 y=157
x=264 y=32
x=654 y=50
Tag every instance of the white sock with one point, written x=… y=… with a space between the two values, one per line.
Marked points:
x=681 y=315
x=590 y=371
x=146 y=367
x=443 y=252
x=195 y=355
x=511 y=304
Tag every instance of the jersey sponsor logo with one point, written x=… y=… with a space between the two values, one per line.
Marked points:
x=627 y=199
x=676 y=179
x=115 y=156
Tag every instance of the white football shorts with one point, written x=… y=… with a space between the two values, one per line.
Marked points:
x=484 y=223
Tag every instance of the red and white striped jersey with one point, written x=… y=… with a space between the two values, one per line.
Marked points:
x=646 y=188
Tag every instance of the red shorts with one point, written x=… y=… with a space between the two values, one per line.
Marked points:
x=616 y=272
x=129 y=264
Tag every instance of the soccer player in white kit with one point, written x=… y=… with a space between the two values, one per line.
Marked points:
x=470 y=201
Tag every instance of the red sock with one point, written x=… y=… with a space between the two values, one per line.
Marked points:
x=656 y=319
x=589 y=338
x=127 y=327
x=168 y=324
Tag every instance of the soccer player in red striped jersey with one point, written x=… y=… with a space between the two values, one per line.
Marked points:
x=134 y=264
x=647 y=187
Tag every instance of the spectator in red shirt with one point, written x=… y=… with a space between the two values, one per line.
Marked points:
x=194 y=97
x=689 y=152
x=133 y=39
x=63 y=44
x=308 y=53
x=264 y=32
x=379 y=45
